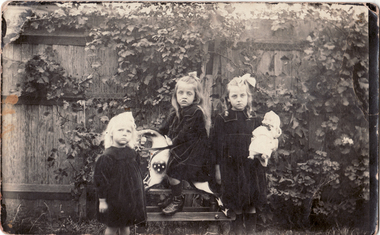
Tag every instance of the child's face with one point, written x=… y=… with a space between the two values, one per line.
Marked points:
x=185 y=94
x=121 y=135
x=238 y=97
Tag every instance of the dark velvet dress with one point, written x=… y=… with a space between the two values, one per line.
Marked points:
x=118 y=179
x=190 y=156
x=243 y=179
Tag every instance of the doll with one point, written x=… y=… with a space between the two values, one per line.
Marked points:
x=265 y=138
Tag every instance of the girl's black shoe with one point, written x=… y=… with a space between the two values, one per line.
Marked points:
x=250 y=223
x=238 y=225
x=175 y=206
x=164 y=203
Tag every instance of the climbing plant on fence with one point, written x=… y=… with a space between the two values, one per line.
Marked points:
x=332 y=83
x=156 y=43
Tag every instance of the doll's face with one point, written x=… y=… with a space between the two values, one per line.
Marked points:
x=272 y=119
x=238 y=97
x=185 y=94
x=121 y=135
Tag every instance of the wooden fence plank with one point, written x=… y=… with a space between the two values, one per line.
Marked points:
x=26 y=52
x=265 y=65
x=79 y=63
x=63 y=57
x=282 y=70
x=82 y=205
x=52 y=131
x=34 y=188
x=13 y=159
x=277 y=62
x=17 y=58
x=17 y=157
x=295 y=67
x=57 y=135
x=45 y=144
x=22 y=139
x=32 y=142
x=236 y=62
x=10 y=156
x=39 y=49
x=216 y=70
x=8 y=68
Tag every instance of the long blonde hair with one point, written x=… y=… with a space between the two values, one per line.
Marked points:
x=199 y=99
x=243 y=81
x=125 y=118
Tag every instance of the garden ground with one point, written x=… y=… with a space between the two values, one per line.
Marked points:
x=42 y=225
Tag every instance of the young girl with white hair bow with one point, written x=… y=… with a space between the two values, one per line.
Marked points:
x=242 y=180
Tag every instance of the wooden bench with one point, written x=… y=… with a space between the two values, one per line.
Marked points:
x=188 y=213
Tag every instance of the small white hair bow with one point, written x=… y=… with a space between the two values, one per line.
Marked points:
x=193 y=75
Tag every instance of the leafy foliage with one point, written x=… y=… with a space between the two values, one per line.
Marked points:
x=332 y=77
x=44 y=77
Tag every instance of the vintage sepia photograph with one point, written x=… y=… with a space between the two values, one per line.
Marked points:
x=201 y=118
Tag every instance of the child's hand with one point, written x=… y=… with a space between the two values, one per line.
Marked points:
x=264 y=160
x=103 y=206
x=218 y=177
x=251 y=157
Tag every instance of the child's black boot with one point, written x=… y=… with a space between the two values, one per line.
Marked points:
x=238 y=225
x=165 y=202
x=178 y=200
x=250 y=223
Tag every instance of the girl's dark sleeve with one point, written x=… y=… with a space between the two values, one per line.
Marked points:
x=193 y=129
x=102 y=175
x=217 y=136
x=164 y=129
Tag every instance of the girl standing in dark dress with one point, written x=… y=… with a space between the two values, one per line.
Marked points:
x=187 y=128
x=243 y=180
x=118 y=178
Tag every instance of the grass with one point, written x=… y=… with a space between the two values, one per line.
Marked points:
x=27 y=221
x=42 y=225
x=45 y=226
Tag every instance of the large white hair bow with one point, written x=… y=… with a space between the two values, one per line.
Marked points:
x=247 y=78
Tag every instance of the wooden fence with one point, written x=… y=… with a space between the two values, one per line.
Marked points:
x=31 y=129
